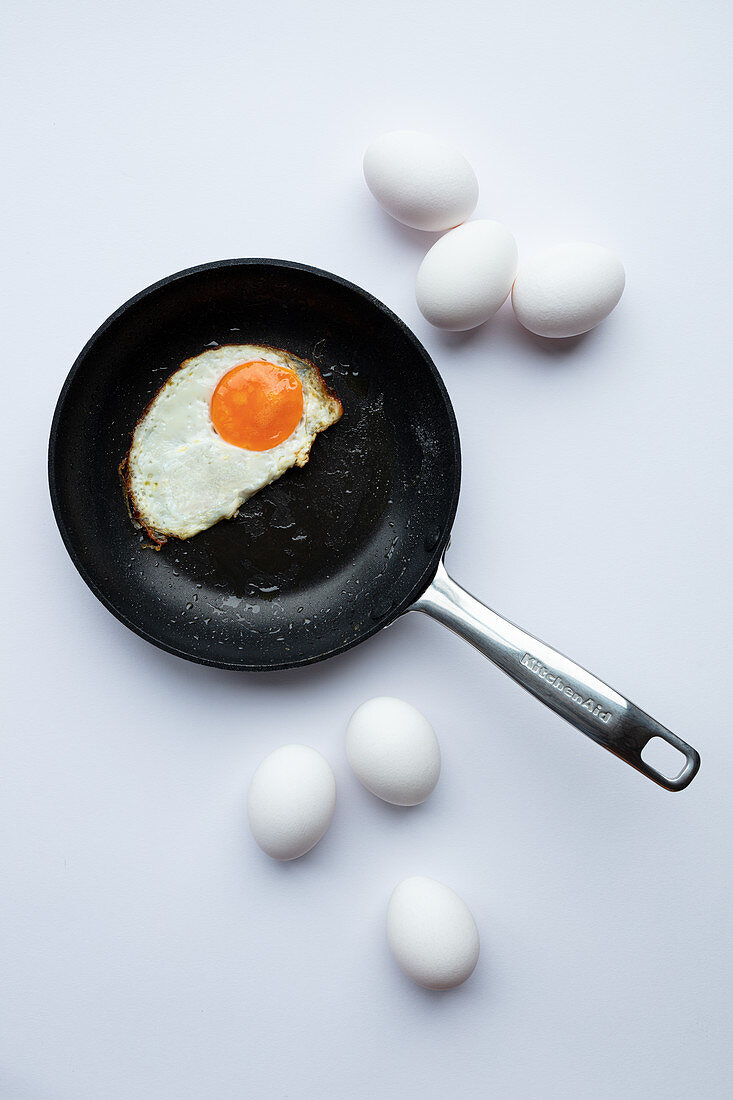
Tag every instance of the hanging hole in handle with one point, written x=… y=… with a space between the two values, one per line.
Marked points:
x=667 y=760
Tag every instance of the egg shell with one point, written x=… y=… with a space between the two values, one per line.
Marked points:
x=420 y=180
x=432 y=933
x=291 y=801
x=567 y=290
x=466 y=275
x=393 y=750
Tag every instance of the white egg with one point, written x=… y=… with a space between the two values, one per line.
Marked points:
x=182 y=476
x=291 y=801
x=568 y=289
x=466 y=275
x=432 y=933
x=393 y=750
x=421 y=181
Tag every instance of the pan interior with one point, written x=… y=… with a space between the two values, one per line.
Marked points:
x=322 y=557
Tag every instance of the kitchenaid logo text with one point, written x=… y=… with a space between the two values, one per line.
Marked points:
x=554 y=680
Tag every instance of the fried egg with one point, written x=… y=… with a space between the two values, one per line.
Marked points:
x=227 y=423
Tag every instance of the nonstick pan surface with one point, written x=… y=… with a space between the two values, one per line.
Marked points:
x=322 y=558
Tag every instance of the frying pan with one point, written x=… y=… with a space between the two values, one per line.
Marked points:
x=327 y=555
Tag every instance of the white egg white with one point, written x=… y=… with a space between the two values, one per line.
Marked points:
x=181 y=476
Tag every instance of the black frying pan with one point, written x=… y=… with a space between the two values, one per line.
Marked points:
x=328 y=554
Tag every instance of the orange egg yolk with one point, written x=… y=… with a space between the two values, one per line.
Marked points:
x=257 y=405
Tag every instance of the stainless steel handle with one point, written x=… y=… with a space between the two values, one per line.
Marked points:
x=586 y=702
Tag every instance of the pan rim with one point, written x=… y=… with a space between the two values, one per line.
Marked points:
x=58 y=509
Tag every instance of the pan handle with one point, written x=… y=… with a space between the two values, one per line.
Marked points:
x=586 y=702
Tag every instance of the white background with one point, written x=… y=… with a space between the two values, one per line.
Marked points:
x=149 y=951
